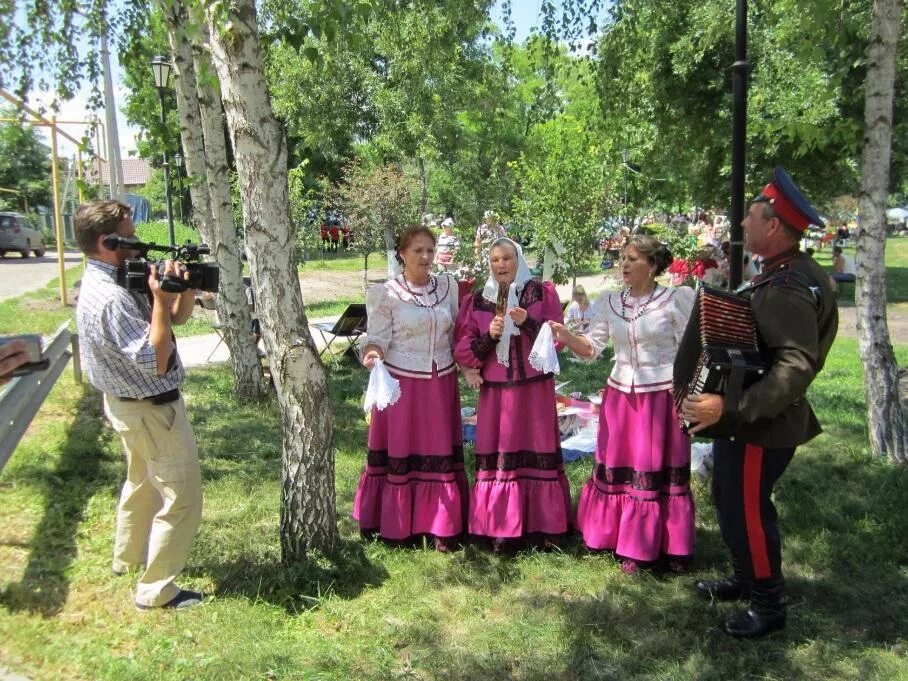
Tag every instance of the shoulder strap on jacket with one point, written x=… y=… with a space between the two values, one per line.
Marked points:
x=781 y=276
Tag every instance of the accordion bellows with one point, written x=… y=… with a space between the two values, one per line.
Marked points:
x=719 y=351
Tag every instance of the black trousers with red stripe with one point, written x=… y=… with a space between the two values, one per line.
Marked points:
x=743 y=479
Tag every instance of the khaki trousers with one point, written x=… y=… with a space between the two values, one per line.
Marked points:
x=161 y=501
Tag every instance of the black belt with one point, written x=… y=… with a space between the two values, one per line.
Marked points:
x=163 y=398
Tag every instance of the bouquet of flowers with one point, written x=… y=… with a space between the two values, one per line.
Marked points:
x=690 y=261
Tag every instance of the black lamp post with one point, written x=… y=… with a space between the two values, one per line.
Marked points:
x=178 y=159
x=160 y=67
x=740 y=71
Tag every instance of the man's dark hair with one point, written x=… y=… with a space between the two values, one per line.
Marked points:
x=98 y=218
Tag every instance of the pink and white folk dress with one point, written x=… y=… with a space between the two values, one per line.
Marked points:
x=637 y=501
x=414 y=482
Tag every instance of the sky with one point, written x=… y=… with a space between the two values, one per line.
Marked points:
x=524 y=15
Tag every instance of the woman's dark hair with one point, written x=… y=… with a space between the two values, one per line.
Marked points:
x=654 y=250
x=406 y=237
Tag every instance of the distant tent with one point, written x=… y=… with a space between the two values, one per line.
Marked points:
x=140 y=207
x=897 y=214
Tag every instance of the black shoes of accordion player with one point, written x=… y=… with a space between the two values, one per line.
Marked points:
x=750 y=623
x=725 y=589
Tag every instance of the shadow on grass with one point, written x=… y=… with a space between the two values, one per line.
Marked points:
x=67 y=489
x=245 y=441
x=299 y=586
x=655 y=627
x=896 y=284
x=842 y=516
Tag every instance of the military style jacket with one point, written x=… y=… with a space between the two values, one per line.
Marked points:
x=797 y=319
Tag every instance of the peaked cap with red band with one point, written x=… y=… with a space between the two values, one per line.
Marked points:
x=788 y=202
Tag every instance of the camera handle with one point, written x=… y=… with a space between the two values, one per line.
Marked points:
x=172 y=284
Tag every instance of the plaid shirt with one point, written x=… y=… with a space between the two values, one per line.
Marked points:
x=114 y=326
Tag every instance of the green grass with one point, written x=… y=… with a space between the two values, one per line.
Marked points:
x=158 y=232
x=375 y=612
x=896 y=269
x=40 y=311
x=341 y=261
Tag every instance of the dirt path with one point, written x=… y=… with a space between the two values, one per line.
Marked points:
x=319 y=286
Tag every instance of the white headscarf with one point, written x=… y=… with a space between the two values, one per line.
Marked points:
x=490 y=293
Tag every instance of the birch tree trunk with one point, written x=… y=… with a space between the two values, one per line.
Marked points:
x=308 y=515
x=247 y=368
x=885 y=419
x=208 y=179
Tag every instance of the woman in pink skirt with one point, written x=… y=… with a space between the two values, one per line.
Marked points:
x=637 y=501
x=520 y=494
x=414 y=483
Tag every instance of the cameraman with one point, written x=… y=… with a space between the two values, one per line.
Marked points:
x=129 y=352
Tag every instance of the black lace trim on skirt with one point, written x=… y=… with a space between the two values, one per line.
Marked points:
x=510 y=461
x=416 y=463
x=649 y=481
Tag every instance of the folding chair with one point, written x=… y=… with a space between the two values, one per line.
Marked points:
x=351 y=325
x=207 y=303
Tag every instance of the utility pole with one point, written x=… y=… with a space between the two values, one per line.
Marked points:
x=113 y=136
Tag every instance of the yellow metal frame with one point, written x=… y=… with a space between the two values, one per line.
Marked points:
x=53 y=123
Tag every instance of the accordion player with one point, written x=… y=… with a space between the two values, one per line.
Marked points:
x=719 y=351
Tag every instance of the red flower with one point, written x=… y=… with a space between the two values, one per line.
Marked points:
x=700 y=267
x=679 y=267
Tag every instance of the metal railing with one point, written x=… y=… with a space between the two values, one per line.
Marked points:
x=21 y=399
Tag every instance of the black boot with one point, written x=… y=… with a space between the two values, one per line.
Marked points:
x=765 y=614
x=731 y=588
x=725 y=589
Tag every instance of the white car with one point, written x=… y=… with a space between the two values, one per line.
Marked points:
x=18 y=233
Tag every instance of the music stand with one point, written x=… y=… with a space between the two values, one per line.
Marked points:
x=351 y=325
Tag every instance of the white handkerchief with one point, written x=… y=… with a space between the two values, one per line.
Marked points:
x=544 y=356
x=383 y=389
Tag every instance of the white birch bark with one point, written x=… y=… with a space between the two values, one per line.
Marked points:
x=308 y=515
x=247 y=366
x=885 y=418
x=208 y=178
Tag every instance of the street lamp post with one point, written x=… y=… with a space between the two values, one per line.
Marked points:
x=178 y=160
x=740 y=70
x=625 y=155
x=160 y=67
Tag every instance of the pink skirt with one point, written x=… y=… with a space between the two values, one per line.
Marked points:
x=520 y=488
x=637 y=501
x=414 y=482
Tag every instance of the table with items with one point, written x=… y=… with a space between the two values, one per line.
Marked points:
x=578 y=423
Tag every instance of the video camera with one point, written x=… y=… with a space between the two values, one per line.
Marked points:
x=133 y=276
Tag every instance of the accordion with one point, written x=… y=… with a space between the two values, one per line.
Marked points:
x=719 y=351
